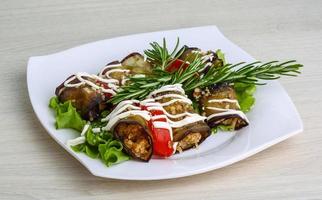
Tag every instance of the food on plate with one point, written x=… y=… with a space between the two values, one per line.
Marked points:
x=188 y=127
x=220 y=105
x=160 y=103
x=130 y=124
x=89 y=93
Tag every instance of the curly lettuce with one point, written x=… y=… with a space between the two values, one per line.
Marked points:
x=221 y=56
x=103 y=146
x=246 y=100
x=245 y=96
x=225 y=128
x=100 y=145
x=66 y=115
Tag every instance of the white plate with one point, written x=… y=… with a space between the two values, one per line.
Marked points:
x=273 y=119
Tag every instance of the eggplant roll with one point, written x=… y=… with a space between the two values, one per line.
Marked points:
x=219 y=104
x=89 y=93
x=210 y=58
x=188 y=127
x=87 y=101
x=129 y=124
x=131 y=65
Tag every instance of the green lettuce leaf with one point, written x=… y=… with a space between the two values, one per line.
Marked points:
x=97 y=145
x=66 y=115
x=103 y=146
x=245 y=96
x=221 y=56
x=224 y=128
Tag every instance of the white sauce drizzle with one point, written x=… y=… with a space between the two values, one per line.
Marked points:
x=225 y=111
x=76 y=141
x=108 y=67
x=83 y=81
x=223 y=100
x=230 y=112
x=79 y=140
x=115 y=119
x=133 y=107
x=170 y=115
x=207 y=57
x=116 y=70
x=120 y=108
x=218 y=109
x=188 y=117
x=111 y=70
x=128 y=106
x=167 y=88
x=96 y=130
x=176 y=100
x=178 y=96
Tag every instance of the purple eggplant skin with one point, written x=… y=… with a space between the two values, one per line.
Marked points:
x=195 y=128
x=115 y=62
x=135 y=137
x=189 y=131
x=136 y=63
x=189 y=56
x=198 y=127
x=87 y=101
x=222 y=91
x=216 y=121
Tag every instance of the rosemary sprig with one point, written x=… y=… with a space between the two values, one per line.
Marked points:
x=246 y=73
x=193 y=76
x=140 y=87
x=159 y=55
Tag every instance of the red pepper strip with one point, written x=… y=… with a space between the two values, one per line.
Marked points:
x=105 y=86
x=162 y=144
x=176 y=65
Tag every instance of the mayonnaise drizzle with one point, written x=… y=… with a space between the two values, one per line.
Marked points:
x=79 y=140
x=167 y=88
x=123 y=110
x=121 y=107
x=116 y=118
x=108 y=67
x=134 y=107
x=107 y=74
x=230 y=112
x=81 y=77
x=223 y=100
x=225 y=111
x=176 y=100
x=188 y=117
x=177 y=96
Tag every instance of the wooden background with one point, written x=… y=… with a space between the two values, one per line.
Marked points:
x=33 y=166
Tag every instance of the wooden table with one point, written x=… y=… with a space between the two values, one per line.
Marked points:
x=33 y=166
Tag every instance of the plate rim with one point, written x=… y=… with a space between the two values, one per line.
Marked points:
x=227 y=162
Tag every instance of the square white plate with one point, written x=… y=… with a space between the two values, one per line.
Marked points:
x=273 y=119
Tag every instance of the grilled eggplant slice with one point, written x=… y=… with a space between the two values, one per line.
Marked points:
x=88 y=102
x=131 y=65
x=135 y=136
x=190 y=135
x=136 y=63
x=190 y=53
x=180 y=111
x=219 y=104
x=210 y=58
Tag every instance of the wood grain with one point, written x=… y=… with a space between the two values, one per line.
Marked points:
x=33 y=166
